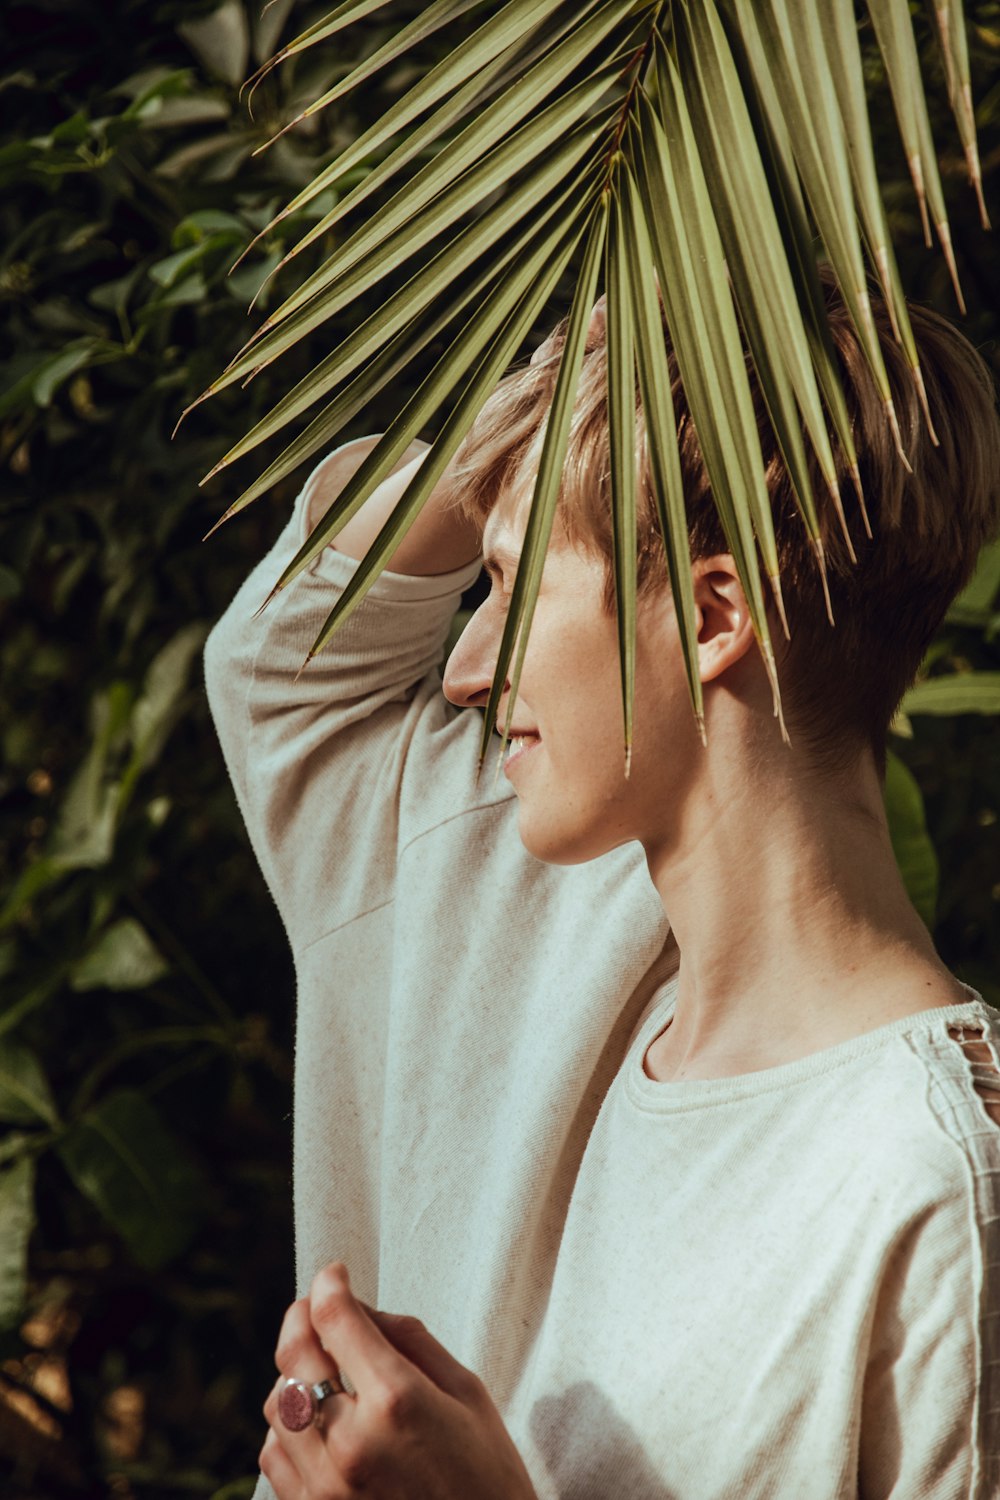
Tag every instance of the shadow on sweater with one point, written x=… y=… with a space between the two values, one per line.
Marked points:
x=589 y=1451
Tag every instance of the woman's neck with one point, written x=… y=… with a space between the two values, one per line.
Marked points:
x=794 y=927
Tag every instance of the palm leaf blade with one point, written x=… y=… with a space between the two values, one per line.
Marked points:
x=346 y=277
x=483 y=57
x=837 y=17
x=431 y=19
x=547 y=485
x=772 y=135
x=436 y=197
x=797 y=60
x=894 y=33
x=756 y=257
x=709 y=351
x=397 y=354
x=344 y=15
x=843 y=51
x=451 y=370
x=431 y=282
x=955 y=49
x=498 y=355
x=622 y=447
x=661 y=436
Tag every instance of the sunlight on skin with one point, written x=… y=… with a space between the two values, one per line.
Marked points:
x=770 y=871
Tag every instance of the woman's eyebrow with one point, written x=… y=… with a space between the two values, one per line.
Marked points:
x=497 y=557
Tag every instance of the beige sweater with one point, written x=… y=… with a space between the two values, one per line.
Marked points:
x=782 y=1285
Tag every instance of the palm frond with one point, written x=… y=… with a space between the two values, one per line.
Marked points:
x=695 y=155
x=487 y=57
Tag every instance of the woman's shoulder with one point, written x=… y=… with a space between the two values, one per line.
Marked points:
x=960 y=1058
x=930 y=1114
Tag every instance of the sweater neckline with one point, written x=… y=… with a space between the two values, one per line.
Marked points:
x=657 y=1097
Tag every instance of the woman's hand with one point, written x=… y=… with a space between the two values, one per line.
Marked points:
x=416 y=1426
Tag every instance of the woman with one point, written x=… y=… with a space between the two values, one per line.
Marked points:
x=711 y=1227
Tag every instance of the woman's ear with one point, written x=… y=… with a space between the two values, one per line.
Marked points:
x=725 y=631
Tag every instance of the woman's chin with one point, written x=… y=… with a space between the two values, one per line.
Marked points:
x=560 y=842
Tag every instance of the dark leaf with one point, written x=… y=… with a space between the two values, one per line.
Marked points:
x=138 y=1175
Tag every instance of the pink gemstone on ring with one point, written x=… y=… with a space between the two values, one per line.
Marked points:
x=297 y=1406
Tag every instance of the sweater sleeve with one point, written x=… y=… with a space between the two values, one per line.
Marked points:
x=317 y=757
x=930 y=1422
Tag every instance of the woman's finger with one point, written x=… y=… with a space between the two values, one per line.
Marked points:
x=299 y=1354
x=351 y=1338
x=278 y=1469
x=421 y=1348
x=298 y=1416
x=306 y=1452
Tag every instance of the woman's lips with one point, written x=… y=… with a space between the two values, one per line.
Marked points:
x=519 y=746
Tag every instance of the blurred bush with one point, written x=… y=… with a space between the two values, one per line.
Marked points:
x=146 y=998
x=147 y=1001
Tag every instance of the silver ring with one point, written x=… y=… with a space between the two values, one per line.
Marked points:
x=299 y=1402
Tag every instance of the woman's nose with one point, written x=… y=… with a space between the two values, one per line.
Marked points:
x=469 y=672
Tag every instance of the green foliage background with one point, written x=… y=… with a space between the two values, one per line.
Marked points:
x=146 y=997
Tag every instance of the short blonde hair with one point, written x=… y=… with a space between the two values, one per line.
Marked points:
x=840 y=686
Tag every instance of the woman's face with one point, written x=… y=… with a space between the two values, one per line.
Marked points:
x=566 y=759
